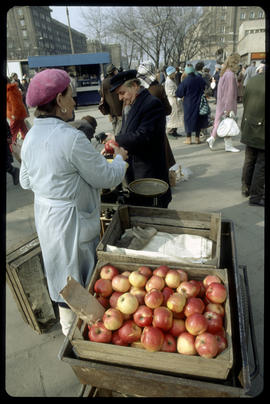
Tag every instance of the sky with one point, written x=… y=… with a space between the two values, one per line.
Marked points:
x=76 y=22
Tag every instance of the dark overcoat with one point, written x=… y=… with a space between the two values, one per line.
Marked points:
x=143 y=136
x=192 y=88
x=253 y=120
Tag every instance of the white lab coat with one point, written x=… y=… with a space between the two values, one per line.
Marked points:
x=176 y=118
x=66 y=173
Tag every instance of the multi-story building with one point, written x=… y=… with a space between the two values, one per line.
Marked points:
x=31 y=31
x=220 y=26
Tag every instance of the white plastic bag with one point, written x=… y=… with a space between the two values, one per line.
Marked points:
x=228 y=127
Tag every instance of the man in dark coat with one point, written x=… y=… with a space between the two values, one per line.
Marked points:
x=192 y=88
x=142 y=132
x=253 y=136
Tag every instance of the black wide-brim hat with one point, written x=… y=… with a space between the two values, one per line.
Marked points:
x=120 y=78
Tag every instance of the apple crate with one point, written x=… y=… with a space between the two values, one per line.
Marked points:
x=164 y=220
x=171 y=363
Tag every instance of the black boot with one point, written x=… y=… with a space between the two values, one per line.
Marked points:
x=15 y=175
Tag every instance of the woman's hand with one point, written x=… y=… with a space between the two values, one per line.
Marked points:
x=120 y=150
x=110 y=136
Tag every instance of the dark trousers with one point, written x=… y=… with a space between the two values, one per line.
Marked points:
x=253 y=173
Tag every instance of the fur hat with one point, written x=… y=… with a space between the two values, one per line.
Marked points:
x=120 y=78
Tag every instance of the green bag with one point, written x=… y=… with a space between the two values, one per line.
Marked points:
x=204 y=106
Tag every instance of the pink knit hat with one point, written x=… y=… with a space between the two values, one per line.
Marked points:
x=45 y=86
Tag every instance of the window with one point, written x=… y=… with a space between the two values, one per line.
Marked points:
x=252 y=15
x=260 y=14
x=24 y=32
x=222 y=28
x=22 y=22
x=20 y=11
x=242 y=16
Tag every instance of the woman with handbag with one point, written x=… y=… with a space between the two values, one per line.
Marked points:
x=226 y=99
x=192 y=89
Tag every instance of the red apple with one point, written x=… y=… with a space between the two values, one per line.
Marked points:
x=163 y=318
x=221 y=333
x=186 y=344
x=152 y=338
x=137 y=344
x=161 y=271
x=206 y=345
x=113 y=299
x=180 y=315
x=153 y=298
x=108 y=272
x=155 y=282
x=99 y=333
x=137 y=279
x=222 y=343
x=216 y=292
x=178 y=326
x=196 y=324
x=130 y=332
x=176 y=302
x=120 y=283
x=210 y=279
x=188 y=289
x=183 y=274
x=117 y=340
x=167 y=292
x=104 y=301
x=108 y=146
x=103 y=287
x=214 y=320
x=169 y=343
x=194 y=305
x=173 y=278
x=200 y=287
x=143 y=316
x=127 y=303
x=112 y=319
x=146 y=271
x=139 y=293
x=215 y=308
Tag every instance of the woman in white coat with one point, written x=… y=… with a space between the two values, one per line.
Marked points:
x=66 y=173
x=176 y=118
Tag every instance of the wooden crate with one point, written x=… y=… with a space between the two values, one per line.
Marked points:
x=26 y=279
x=172 y=363
x=165 y=220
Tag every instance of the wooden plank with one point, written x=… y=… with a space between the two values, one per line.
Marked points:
x=16 y=297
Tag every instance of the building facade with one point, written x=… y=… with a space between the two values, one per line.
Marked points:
x=31 y=31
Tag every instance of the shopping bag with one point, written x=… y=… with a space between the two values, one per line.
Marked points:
x=228 y=127
x=204 y=106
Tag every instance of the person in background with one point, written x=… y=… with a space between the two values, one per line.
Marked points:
x=178 y=75
x=87 y=125
x=253 y=136
x=207 y=78
x=240 y=81
x=13 y=171
x=66 y=174
x=226 y=99
x=192 y=89
x=250 y=72
x=142 y=133
x=73 y=84
x=115 y=106
x=15 y=79
x=216 y=77
x=176 y=117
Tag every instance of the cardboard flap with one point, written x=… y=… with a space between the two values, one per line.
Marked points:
x=81 y=302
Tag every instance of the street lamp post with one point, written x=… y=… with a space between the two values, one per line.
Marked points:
x=69 y=31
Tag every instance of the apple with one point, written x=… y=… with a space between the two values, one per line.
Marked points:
x=130 y=332
x=188 y=289
x=104 y=301
x=139 y=293
x=155 y=282
x=166 y=293
x=196 y=324
x=117 y=340
x=108 y=146
x=120 y=283
x=210 y=279
x=214 y=320
x=99 y=333
x=186 y=344
x=221 y=333
x=112 y=319
x=113 y=299
x=137 y=279
x=215 y=308
x=178 y=326
x=162 y=318
x=179 y=315
x=172 y=278
x=153 y=298
x=194 y=305
x=126 y=273
x=161 y=271
x=146 y=271
x=216 y=292
x=200 y=287
x=169 y=343
x=152 y=338
x=222 y=343
x=206 y=345
x=183 y=274
x=137 y=344
x=176 y=302
x=108 y=272
x=127 y=303
x=103 y=287
x=143 y=316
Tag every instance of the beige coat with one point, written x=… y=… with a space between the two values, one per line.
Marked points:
x=176 y=118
